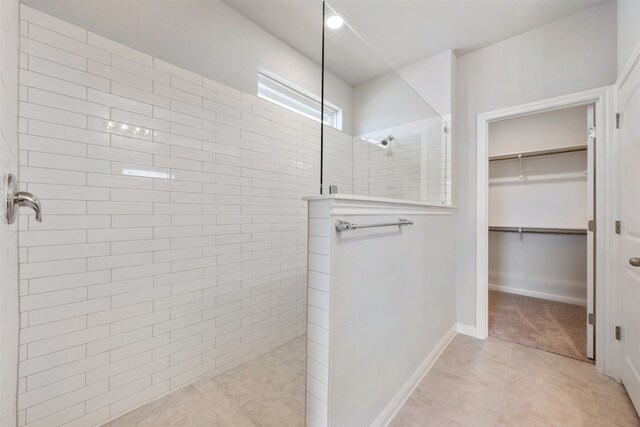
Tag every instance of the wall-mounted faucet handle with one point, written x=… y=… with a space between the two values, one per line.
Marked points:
x=23 y=198
x=17 y=198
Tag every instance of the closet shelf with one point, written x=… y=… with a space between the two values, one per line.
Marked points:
x=535 y=153
x=540 y=230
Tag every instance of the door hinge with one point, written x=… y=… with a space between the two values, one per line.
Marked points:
x=617 y=120
x=591 y=225
x=618 y=333
x=591 y=319
x=592 y=133
x=618 y=227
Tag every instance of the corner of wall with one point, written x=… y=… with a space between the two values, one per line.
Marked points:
x=9 y=285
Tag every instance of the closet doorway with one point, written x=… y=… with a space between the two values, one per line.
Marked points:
x=541 y=199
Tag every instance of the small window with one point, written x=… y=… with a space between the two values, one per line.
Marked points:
x=283 y=94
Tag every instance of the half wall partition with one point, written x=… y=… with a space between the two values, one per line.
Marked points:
x=381 y=293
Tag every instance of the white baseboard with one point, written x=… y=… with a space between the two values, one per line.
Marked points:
x=541 y=295
x=466 y=330
x=398 y=400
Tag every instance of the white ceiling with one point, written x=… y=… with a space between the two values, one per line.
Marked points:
x=402 y=31
x=397 y=32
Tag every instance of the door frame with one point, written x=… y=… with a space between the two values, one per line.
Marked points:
x=632 y=62
x=606 y=297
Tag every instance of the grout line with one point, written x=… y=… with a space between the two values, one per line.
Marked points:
x=501 y=397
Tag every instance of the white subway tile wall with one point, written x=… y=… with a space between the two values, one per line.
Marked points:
x=317 y=411
x=9 y=315
x=174 y=237
x=338 y=160
x=417 y=168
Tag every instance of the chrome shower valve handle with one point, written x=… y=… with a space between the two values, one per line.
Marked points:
x=23 y=198
x=19 y=198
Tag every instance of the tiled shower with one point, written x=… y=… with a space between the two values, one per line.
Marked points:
x=174 y=240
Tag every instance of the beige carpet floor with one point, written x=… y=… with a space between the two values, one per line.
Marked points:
x=552 y=326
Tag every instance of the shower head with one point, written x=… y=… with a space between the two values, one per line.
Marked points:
x=385 y=142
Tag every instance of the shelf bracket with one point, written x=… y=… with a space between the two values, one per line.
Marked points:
x=521 y=177
x=521 y=237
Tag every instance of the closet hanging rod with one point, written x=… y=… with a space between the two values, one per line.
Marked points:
x=537 y=153
x=539 y=230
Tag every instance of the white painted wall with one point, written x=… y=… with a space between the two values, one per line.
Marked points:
x=387 y=315
x=9 y=316
x=338 y=160
x=433 y=79
x=553 y=194
x=566 y=56
x=417 y=92
x=381 y=306
x=628 y=29
x=541 y=131
x=385 y=102
x=544 y=266
x=216 y=42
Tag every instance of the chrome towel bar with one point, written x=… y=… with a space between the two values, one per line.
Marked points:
x=346 y=225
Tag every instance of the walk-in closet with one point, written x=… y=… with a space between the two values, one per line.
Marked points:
x=541 y=197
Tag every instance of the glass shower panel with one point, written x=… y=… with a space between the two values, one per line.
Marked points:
x=392 y=143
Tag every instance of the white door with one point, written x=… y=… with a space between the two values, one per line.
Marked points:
x=629 y=139
x=591 y=140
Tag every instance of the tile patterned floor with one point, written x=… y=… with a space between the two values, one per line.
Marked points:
x=267 y=391
x=474 y=383
x=498 y=383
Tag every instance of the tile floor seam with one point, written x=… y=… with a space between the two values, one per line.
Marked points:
x=500 y=404
x=593 y=400
x=536 y=368
x=504 y=382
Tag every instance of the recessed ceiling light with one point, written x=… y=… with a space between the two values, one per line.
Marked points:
x=334 y=22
